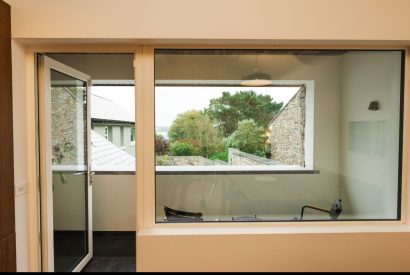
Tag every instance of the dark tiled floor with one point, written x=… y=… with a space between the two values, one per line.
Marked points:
x=69 y=249
x=113 y=252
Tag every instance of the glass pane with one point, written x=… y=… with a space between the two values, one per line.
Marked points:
x=277 y=135
x=69 y=157
x=113 y=124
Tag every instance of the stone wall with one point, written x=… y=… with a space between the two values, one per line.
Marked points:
x=186 y=161
x=236 y=157
x=67 y=126
x=288 y=132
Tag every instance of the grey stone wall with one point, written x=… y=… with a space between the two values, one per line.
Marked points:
x=288 y=132
x=185 y=161
x=67 y=126
x=236 y=157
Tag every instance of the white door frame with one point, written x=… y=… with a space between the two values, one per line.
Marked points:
x=46 y=191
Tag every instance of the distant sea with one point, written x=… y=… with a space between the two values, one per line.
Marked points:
x=163 y=131
x=164 y=134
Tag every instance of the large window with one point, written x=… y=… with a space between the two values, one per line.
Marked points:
x=275 y=135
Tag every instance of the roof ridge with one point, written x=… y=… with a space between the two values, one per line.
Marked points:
x=102 y=97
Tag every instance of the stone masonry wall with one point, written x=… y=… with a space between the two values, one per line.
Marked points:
x=66 y=120
x=236 y=157
x=288 y=132
x=186 y=161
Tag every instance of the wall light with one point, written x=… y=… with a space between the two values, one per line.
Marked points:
x=374 y=105
x=256 y=78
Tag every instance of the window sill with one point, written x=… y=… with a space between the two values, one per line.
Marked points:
x=107 y=172
x=248 y=169
x=283 y=228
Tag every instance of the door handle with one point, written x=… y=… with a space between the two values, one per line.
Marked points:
x=92 y=178
x=79 y=174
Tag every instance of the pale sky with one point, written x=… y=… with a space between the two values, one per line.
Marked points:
x=124 y=96
x=171 y=101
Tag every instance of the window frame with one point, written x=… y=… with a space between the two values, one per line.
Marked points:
x=146 y=170
x=308 y=85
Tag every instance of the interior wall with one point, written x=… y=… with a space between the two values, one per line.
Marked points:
x=274 y=20
x=376 y=252
x=20 y=156
x=100 y=66
x=114 y=203
x=282 y=196
x=369 y=143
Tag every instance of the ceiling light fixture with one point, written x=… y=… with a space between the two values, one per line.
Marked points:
x=256 y=78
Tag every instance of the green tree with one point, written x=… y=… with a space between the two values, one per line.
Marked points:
x=248 y=138
x=228 y=109
x=196 y=128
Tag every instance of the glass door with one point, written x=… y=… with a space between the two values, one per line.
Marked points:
x=65 y=166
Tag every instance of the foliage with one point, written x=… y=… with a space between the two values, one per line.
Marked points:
x=196 y=148
x=223 y=155
x=229 y=109
x=249 y=138
x=161 y=145
x=162 y=161
x=195 y=128
x=181 y=149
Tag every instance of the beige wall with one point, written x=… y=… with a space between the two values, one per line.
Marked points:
x=275 y=252
x=229 y=19
x=292 y=22
x=114 y=203
x=100 y=66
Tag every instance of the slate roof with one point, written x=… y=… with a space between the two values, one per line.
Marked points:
x=108 y=157
x=105 y=109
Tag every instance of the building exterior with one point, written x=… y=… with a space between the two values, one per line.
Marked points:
x=287 y=138
x=113 y=123
x=106 y=156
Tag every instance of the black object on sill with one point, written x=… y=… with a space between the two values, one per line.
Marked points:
x=334 y=211
x=173 y=215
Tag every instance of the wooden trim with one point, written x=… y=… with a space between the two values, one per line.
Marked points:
x=405 y=215
x=7 y=223
x=8 y=253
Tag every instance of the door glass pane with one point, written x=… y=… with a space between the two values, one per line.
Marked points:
x=69 y=166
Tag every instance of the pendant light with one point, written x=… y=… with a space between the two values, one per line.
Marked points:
x=256 y=78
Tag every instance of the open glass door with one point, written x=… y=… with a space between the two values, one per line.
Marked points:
x=65 y=166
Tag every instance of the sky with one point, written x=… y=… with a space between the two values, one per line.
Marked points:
x=124 y=96
x=171 y=101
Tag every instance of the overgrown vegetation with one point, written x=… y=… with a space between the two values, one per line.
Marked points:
x=230 y=121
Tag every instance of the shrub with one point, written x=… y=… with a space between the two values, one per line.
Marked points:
x=249 y=138
x=161 y=145
x=181 y=149
x=220 y=156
